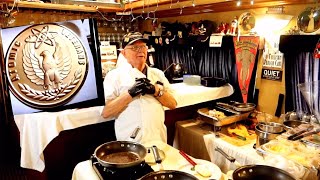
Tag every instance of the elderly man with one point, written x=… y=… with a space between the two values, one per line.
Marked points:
x=136 y=93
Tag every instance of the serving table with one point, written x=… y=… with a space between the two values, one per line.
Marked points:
x=199 y=140
x=207 y=142
x=172 y=161
x=37 y=130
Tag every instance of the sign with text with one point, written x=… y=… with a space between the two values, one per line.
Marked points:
x=271 y=74
x=273 y=59
x=215 y=41
x=107 y=51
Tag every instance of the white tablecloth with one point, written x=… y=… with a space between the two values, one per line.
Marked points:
x=39 y=129
x=172 y=161
x=243 y=154
x=191 y=94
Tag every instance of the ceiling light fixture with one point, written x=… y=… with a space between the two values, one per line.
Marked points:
x=238 y=3
x=193 y=4
x=273 y=21
x=252 y=2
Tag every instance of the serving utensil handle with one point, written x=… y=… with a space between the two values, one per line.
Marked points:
x=230 y=158
x=157 y=157
x=306 y=134
x=300 y=132
x=187 y=158
x=297 y=134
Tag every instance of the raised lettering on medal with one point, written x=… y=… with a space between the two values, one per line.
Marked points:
x=46 y=65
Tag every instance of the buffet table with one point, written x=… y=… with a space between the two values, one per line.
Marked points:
x=39 y=129
x=206 y=142
x=172 y=161
x=189 y=138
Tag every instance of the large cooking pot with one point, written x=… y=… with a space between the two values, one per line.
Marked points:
x=271 y=127
x=168 y=175
x=129 y=150
x=264 y=136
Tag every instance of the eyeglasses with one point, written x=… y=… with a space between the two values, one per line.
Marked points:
x=137 y=48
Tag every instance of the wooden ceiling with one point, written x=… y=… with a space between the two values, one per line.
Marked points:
x=174 y=8
x=160 y=8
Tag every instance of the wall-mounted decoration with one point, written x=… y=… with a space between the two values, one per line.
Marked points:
x=108 y=57
x=309 y=21
x=215 y=41
x=107 y=51
x=271 y=74
x=272 y=58
x=245 y=50
x=52 y=67
x=247 y=22
x=272 y=66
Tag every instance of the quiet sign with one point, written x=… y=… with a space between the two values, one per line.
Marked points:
x=271 y=74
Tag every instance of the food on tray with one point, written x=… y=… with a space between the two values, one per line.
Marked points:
x=217 y=114
x=238 y=135
x=236 y=141
x=240 y=130
x=294 y=150
x=279 y=149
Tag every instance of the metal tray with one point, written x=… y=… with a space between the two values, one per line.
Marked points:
x=231 y=117
x=310 y=141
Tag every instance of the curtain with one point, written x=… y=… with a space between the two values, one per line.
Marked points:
x=200 y=59
x=218 y=62
x=302 y=70
x=301 y=73
x=166 y=55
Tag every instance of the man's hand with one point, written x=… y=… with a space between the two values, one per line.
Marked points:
x=142 y=86
x=149 y=88
x=137 y=88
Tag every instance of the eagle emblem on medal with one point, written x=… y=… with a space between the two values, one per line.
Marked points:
x=46 y=65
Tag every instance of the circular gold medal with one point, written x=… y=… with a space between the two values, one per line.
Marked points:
x=46 y=65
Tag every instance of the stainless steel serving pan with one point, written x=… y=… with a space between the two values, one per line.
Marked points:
x=240 y=107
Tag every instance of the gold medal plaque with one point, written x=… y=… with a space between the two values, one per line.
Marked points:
x=46 y=65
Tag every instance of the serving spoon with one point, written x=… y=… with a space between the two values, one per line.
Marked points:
x=202 y=170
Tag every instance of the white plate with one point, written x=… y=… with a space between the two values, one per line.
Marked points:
x=215 y=170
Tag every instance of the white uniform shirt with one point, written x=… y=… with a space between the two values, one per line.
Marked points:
x=145 y=111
